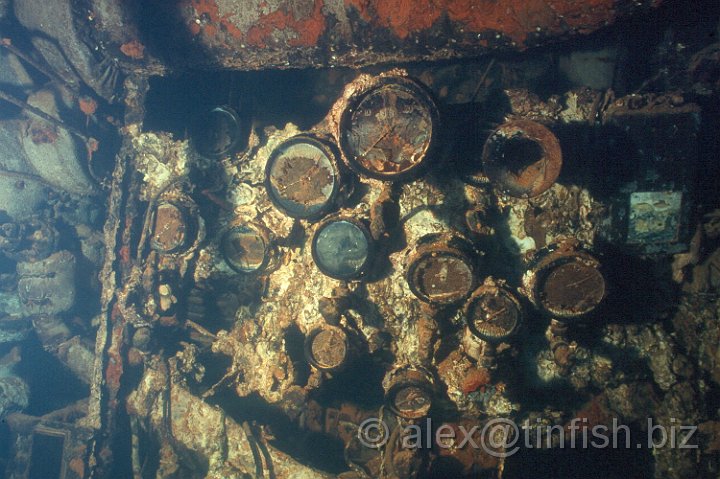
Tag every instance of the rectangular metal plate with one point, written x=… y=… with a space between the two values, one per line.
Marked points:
x=654 y=217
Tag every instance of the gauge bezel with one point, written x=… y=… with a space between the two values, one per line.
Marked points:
x=431 y=251
x=238 y=126
x=422 y=95
x=370 y=252
x=405 y=377
x=310 y=357
x=331 y=152
x=545 y=263
x=260 y=232
x=189 y=223
x=471 y=304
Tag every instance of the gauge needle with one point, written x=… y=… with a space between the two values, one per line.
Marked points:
x=491 y=316
x=306 y=177
x=381 y=138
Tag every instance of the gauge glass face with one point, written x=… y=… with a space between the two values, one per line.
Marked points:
x=329 y=349
x=442 y=278
x=341 y=249
x=244 y=249
x=301 y=178
x=218 y=132
x=572 y=289
x=494 y=316
x=412 y=401
x=169 y=230
x=388 y=132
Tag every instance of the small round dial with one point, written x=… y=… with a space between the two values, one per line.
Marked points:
x=170 y=228
x=412 y=401
x=326 y=348
x=441 y=276
x=245 y=249
x=388 y=131
x=341 y=248
x=301 y=177
x=219 y=132
x=493 y=314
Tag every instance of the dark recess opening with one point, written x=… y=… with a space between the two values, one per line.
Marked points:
x=47 y=456
x=520 y=153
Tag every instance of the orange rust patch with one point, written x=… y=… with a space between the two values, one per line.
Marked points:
x=87 y=105
x=210 y=10
x=125 y=254
x=593 y=414
x=77 y=466
x=308 y=30
x=514 y=19
x=474 y=379
x=133 y=49
x=43 y=134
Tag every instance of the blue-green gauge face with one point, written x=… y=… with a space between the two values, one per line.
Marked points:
x=341 y=249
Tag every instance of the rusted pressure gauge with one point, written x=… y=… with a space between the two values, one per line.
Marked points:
x=173 y=227
x=246 y=248
x=409 y=392
x=219 y=132
x=389 y=129
x=493 y=313
x=302 y=177
x=566 y=283
x=440 y=273
x=522 y=158
x=342 y=248
x=327 y=348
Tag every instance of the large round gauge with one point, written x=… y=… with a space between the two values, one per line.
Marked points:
x=571 y=287
x=493 y=314
x=302 y=178
x=341 y=248
x=387 y=132
x=245 y=248
x=566 y=284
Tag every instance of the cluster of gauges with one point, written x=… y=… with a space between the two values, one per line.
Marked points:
x=388 y=131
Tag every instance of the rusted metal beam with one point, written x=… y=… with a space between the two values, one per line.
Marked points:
x=262 y=34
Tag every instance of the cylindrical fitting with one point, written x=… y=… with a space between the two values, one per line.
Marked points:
x=302 y=176
x=522 y=158
x=342 y=248
x=219 y=132
x=246 y=247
